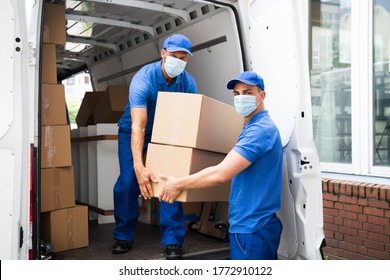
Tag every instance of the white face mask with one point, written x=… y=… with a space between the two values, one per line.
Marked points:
x=245 y=104
x=174 y=66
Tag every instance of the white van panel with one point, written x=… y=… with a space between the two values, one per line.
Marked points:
x=273 y=48
x=7 y=60
x=6 y=201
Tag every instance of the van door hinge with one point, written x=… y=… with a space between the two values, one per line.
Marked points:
x=32 y=55
x=21 y=237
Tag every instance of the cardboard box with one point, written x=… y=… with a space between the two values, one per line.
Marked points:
x=53 y=106
x=54 y=30
x=196 y=121
x=85 y=115
x=49 y=64
x=214 y=219
x=55 y=146
x=182 y=161
x=57 y=188
x=66 y=229
x=111 y=105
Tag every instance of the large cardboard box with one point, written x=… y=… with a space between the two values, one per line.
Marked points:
x=214 y=219
x=111 y=105
x=197 y=121
x=55 y=147
x=53 y=106
x=66 y=228
x=85 y=115
x=182 y=161
x=49 y=65
x=54 y=30
x=57 y=188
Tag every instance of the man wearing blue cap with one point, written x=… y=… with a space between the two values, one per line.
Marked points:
x=134 y=134
x=255 y=167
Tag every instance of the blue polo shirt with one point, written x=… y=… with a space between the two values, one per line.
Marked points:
x=145 y=85
x=256 y=191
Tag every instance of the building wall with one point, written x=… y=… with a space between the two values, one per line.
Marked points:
x=356 y=220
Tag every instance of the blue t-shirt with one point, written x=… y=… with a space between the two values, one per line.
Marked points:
x=143 y=90
x=256 y=191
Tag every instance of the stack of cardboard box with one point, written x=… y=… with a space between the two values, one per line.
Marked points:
x=192 y=132
x=64 y=224
x=95 y=147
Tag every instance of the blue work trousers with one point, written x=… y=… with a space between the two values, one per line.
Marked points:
x=260 y=245
x=126 y=193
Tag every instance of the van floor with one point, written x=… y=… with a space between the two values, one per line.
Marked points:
x=146 y=246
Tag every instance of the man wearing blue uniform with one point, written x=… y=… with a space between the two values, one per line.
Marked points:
x=134 y=134
x=255 y=167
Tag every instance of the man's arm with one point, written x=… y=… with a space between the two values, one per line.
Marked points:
x=139 y=119
x=233 y=164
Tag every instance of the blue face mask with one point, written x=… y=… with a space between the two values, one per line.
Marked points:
x=174 y=66
x=245 y=104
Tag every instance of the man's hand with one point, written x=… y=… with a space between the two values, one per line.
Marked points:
x=170 y=191
x=144 y=178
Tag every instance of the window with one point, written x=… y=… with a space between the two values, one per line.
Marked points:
x=350 y=85
x=330 y=76
x=381 y=83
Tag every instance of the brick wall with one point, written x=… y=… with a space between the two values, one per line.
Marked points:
x=356 y=220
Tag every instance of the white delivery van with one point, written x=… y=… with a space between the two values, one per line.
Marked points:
x=112 y=39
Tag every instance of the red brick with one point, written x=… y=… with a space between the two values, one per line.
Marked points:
x=353 y=256
x=348 y=190
x=336 y=187
x=362 y=217
x=329 y=234
x=378 y=203
x=380 y=255
x=330 y=227
x=348 y=199
x=387 y=214
x=353 y=224
x=353 y=240
x=362 y=250
x=383 y=193
x=373 y=211
x=338 y=205
x=328 y=219
x=379 y=221
x=381 y=238
x=362 y=190
x=353 y=208
x=330 y=197
x=342 y=188
x=362 y=233
x=355 y=190
x=373 y=228
x=347 y=215
x=372 y=191
x=338 y=221
x=362 y=201
x=374 y=245
x=387 y=248
x=348 y=246
x=332 y=243
x=338 y=236
x=331 y=212
x=327 y=203
x=348 y=230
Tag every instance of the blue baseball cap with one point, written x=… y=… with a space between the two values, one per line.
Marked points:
x=176 y=43
x=249 y=78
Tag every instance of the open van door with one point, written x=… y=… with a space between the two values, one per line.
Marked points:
x=279 y=54
x=16 y=152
